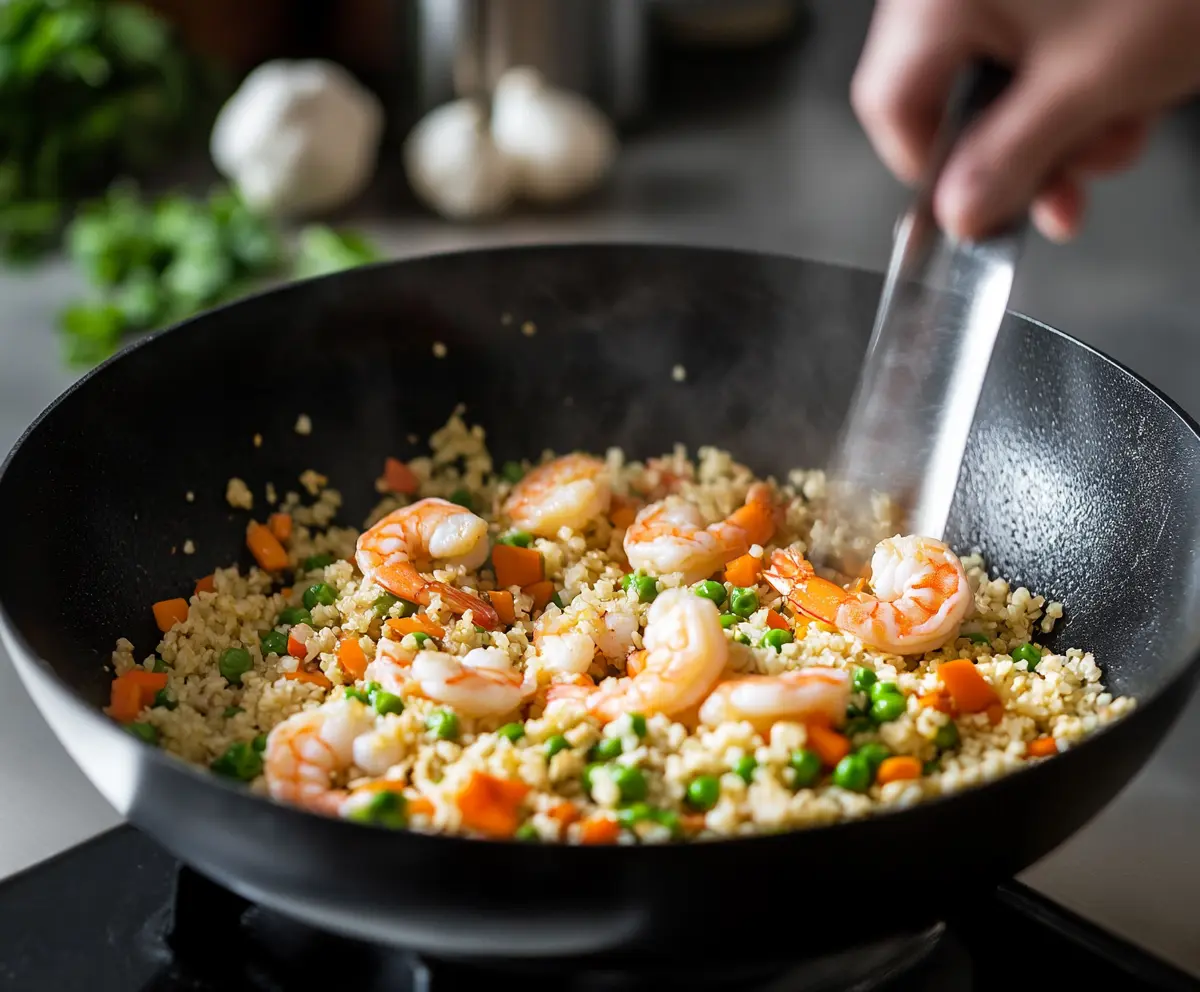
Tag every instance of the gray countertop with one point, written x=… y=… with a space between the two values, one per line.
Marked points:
x=776 y=162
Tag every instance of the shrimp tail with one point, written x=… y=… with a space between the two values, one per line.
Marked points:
x=461 y=601
x=793 y=576
x=402 y=579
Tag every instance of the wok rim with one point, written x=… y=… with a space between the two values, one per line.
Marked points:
x=168 y=764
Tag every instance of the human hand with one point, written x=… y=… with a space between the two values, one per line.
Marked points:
x=1089 y=78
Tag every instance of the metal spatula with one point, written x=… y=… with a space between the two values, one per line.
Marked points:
x=942 y=305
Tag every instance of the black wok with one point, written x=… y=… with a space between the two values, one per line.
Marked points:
x=1080 y=481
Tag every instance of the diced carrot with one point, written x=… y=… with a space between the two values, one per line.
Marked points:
x=206 y=584
x=744 y=571
x=280 y=524
x=421 y=806
x=419 y=624
x=350 y=656
x=491 y=805
x=969 y=690
x=564 y=813
x=148 y=682
x=623 y=512
x=831 y=747
x=516 y=566
x=168 y=612
x=939 y=699
x=897 y=769
x=285 y=591
x=542 y=592
x=314 y=678
x=692 y=823
x=502 y=603
x=398 y=477
x=776 y=622
x=381 y=785
x=995 y=713
x=1043 y=747
x=635 y=662
x=296 y=647
x=599 y=830
x=758 y=518
x=125 y=700
x=265 y=547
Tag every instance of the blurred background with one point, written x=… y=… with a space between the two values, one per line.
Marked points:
x=158 y=159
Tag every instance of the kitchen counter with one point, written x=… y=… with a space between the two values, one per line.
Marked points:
x=768 y=156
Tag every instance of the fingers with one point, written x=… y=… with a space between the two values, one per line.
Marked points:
x=1058 y=210
x=904 y=78
x=1114 y=149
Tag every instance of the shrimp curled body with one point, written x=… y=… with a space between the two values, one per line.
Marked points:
x=570 y=491
x=480 y=683
x=920 y=595
x=808 y=695
x=670 y=536
x=431 y=529
x=307 y=751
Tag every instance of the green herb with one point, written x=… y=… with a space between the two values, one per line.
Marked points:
x=323 y=250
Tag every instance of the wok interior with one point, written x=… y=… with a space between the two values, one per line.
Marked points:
x=1079 y=481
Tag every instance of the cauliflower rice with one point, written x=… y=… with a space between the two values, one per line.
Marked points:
x=575 y=774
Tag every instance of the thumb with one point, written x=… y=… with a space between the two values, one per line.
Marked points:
x=1012 y=151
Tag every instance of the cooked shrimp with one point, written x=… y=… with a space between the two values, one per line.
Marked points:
x=670 y=536
x=480 y=683
x=429 y=529
x=809 y=695
x=567 y=642
x=920 y=595
x=306 y=751
x=568 y=492
x=685 y=654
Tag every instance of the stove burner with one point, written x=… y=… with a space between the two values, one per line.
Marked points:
x=211 y=929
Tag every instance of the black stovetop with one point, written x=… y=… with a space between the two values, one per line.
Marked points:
x=118 y=914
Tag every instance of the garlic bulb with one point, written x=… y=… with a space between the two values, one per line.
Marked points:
x=298 y=137
x=559 y=144
x=454 y=166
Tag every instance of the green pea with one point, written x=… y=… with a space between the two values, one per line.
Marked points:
x=372 y=688
x=443 y=724
x=627 y=581
x=159 y=665
x=383 y=604
x=887 y=708
x=556 y=600
x=259 y=743
x=863 y=679
x=590 y=772
x=874 y=754
x=806 y=767
x=232 y=711
x=384 y=809
x=728 y=620
x=880 y=689
x=321 y=594
x=273 y=642
x=240 y=761
x=555 y=744
x=311 y=564
x=708 y=589
x=741 y=637
x=606 y=749
x=646 y=587
x=775 y=638
x=163 y=700
x=526 y=833
x=234 y=663
x=637 y=723
x=512 y=732
x=853 y=712
x=669 y=819
x=292 y=615
x=513 y=472
x=478 y=629
x=387 y=702
x=703 y=792
x=355 y=693
x=630 y=782
x=144 y=732
x=636 y=813
x=516 y=538
x=462 y=498
x=979 y=638
x=744 y=767
x=859 y=725
x=1027 y=653
x=421 y=638
x=930 y=767
x=853 y=774
x=743 y=601
x=946 y=736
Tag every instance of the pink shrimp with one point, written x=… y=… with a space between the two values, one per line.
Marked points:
x=670 y=536
x=429 y=529
x=808 y=695
x=920 y=595
x=570 y=491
